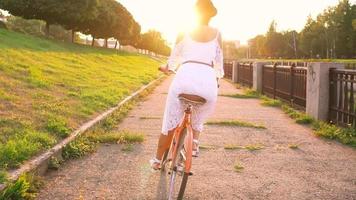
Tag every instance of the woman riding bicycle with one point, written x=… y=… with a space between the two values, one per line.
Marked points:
x=199 y=55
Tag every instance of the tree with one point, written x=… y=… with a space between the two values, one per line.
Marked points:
x=77 y=13
x=153 y=41
x=274 y=41
x=127 y=30
x=258 y=47
x=46 y=10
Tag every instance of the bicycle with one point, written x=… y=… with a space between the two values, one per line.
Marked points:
x=177 y=160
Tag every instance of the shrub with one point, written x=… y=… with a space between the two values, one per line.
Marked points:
x=54 y=163
x=78 y=148
x=330 y=131
x=3 y=25
x=26 y=187
x=31 y=27
x=17 y=190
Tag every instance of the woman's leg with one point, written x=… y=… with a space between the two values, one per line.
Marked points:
x=196 y=135
x=163 y=144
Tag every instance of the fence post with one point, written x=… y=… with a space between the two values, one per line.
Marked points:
x=238 y=72
x=257 y=75
x=234 y=71
x=292 y=83
x=274 y=79
x=318 y=91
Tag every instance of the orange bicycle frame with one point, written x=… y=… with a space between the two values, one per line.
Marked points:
x=188 y=141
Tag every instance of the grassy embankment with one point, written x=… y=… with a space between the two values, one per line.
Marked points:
x=49 y=88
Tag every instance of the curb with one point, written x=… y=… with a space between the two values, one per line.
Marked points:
x=39 y=161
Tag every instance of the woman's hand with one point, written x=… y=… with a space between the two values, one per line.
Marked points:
x=164 y=69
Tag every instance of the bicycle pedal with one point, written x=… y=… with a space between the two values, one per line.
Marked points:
x=190 y=174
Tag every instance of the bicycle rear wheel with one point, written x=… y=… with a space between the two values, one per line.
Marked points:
x=178 y=178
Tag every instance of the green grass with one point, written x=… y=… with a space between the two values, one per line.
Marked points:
x=270 y=102
x=149 y=117
x=54 y=163
x=254 y=147
x=79 y=148
x=3 y=177
x=238 y=167
x=235 y=123
x=300 y=117
x=26 y=187
x=249 y=147
x=344 y=135
x=247 y=94
x=118 y=137
x=293 y=146
x=128 y=148
x=207 y=147
x=49 y=88
x=87 y=143
x=232 y=147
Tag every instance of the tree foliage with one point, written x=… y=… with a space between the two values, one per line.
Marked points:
x=100 y=18
x=153 y=41
x=331 y=35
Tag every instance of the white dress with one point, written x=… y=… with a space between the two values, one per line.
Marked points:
x=193 y=78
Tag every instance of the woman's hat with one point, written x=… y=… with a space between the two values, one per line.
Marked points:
x=206 y=7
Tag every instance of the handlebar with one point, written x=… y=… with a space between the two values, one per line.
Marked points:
x=169 y=71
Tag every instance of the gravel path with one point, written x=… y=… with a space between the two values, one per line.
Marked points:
x=317 y=169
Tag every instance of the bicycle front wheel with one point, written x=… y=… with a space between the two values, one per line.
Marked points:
x=178 y=178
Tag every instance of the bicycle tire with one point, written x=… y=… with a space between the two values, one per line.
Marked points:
x=163 y=162
x=183 y=186
x=183 y=183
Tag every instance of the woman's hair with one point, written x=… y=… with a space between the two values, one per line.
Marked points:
x=206 y=8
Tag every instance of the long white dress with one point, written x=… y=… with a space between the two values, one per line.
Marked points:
x=193 y=78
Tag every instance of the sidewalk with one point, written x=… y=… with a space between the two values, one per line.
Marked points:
x=318 y=169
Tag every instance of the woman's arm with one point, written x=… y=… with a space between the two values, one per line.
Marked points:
x=219 y=59
x=175 y=57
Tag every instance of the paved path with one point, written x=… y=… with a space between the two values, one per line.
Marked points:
x=318 y=169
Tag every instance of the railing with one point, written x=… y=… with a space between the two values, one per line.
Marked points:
x=228 y=69
x=245 y=74
x=350 y=66
x=342 y=97
x=285 y=82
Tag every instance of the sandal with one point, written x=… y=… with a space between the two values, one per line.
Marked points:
x=155 y=164
x=195 y=152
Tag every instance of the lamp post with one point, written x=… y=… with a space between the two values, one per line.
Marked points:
x=327 y=39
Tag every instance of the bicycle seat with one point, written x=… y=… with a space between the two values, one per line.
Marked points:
x=191 y=98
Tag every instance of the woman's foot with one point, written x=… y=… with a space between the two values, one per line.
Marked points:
x=155 y=164
x=195 y=152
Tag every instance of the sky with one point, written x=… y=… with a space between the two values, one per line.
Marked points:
x=237 y=19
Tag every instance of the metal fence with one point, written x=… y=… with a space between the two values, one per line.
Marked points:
x=350 y=66
x=245 y=74
x=285 y=82
x=342 y=97
x=228 y=69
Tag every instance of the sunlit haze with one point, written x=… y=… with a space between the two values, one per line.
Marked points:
x=236 y=19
